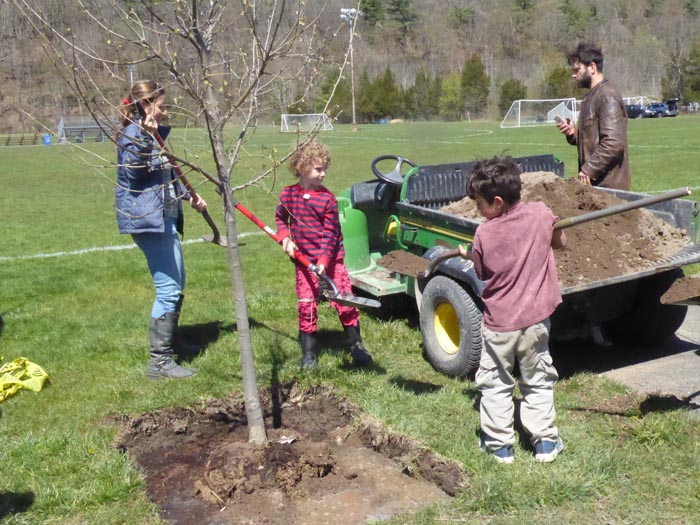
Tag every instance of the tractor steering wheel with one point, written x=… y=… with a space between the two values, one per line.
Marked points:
x=395 y=176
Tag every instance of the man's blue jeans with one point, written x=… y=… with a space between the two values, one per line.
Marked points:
x=164 y=256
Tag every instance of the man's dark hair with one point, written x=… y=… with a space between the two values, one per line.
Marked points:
x=499 y=176
x=587 y=54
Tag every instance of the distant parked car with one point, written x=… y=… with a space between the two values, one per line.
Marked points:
x=672 y=104
x=634 y=110
x=656 y=110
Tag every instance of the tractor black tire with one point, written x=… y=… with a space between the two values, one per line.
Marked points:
x=450 y=323
x=649 y=321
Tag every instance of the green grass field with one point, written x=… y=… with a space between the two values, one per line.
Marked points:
x=75 y=298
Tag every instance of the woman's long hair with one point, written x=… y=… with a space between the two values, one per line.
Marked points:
x=142 y=91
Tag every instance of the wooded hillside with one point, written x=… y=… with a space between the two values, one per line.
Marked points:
x=412 y=58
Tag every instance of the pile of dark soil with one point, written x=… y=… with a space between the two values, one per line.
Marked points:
x=612 y=246
x=324 y=463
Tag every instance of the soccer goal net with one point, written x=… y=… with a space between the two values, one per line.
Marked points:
x=305 y=122
x=524 y=113
x=639 y=100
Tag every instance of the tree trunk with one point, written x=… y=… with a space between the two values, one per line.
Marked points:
x=256 y=422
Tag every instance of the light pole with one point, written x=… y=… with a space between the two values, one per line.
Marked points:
x=350 y=17
x=131 y=68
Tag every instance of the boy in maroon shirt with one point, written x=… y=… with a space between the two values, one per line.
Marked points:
x=512 y=254
x=307 y=220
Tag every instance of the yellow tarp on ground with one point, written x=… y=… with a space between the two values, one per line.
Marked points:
x=20 y=373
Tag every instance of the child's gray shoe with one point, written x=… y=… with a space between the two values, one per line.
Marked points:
x=547 y=451
x=502 y=455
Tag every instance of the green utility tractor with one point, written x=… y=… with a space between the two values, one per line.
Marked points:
x=400 y=210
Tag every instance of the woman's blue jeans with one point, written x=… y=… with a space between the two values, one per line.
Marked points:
x=163 y=253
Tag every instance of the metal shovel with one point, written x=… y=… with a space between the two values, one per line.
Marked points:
x=328 y=288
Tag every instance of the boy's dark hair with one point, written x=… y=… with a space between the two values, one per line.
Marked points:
x=586 y=54
x=499 y=176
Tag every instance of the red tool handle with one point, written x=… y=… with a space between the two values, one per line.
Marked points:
x=264 y=227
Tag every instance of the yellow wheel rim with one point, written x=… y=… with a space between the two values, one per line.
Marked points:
x=447 y=328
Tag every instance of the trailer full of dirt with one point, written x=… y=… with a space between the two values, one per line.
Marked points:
x=600 y=249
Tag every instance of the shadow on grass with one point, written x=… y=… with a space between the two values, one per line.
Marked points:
x=375 y=368
x=192 y=340
x=413 y=386
x=652 y=404
x=395 y=307
x=204 y=333
x=333 y=342
x=15 y=503
x=656 y=403
x=473 y=393
x=2 y=323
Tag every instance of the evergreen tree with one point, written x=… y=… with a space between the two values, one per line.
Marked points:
x=409 y=107
x=434 y=99
x=559 y=84
x=341 y=103
x=577 y=18
x=373 y=11
x=451 y=105
x=461 y=18
x=691 y=75
x=386 y=95
x=364 y=98
x=422 y=88
x=300 y=105
x=403 y=16
x=475 y=85
x=524 y=5
x=511 y=90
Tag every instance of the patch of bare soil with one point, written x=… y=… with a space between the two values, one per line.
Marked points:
x=324 y=463
x=608 y=247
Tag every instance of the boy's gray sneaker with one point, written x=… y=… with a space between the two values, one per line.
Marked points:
x=547 y=451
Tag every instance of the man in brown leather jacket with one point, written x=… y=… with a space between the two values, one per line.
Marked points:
x=600 y=134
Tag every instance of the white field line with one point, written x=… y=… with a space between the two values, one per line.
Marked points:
x=101 y=249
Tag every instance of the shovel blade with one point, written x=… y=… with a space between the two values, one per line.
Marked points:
x=352 y=300
x=693 y=301
x=216 y=239
x=684 y=291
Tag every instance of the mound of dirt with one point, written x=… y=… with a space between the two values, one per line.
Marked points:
x=324 y=463
x=612 y=246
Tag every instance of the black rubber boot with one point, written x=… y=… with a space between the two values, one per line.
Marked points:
x=360 y=355
x=161 y=334
x=308 y=351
